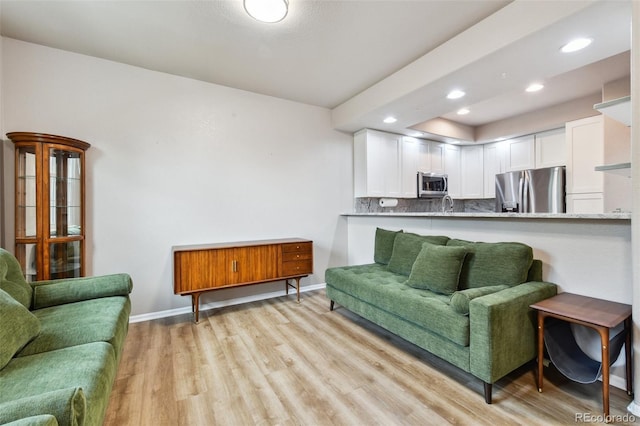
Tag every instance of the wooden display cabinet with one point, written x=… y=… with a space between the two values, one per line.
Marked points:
x=49 y=205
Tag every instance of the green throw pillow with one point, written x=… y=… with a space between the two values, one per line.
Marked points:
x=406 y=248
x=12 y=280
x=489 y=264
x=437 y=268
x=384 y=245
x=17 y=327
x=460 y=299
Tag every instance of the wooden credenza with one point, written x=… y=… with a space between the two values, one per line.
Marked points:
x=201 y=268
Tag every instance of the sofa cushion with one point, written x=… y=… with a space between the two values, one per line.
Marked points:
x=460 y=299
x=12 y=281
x=406 y=248
x=489 y=264
x=17 y=327
x=383 y=247
x=379 y=287
x=437 y=268
x=65 y=406
x=72 y=324
x=41 y=420
x=54 y=376
x=59 y=292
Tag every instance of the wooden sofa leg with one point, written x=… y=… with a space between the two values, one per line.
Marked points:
x=331 y=305
x=487 y=392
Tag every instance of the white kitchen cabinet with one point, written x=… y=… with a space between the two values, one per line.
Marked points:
x=585 y=151
x=414 y=154
x=436 y=156
x=452 y=169
x=494 y=163
x=590 y=202
x=472 y=171
x=376 y=164
x=550 y=148
x=520 y=153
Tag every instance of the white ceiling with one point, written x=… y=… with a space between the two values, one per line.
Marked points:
x=363 y=59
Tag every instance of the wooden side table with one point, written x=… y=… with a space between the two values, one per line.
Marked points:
x=601 y=315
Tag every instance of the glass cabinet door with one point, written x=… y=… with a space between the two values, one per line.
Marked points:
x=65 y=212
x=26 y=210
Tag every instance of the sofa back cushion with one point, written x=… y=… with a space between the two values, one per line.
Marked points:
x=383 y=247
x=406 y=248
x=490 y=264
x=12 y=280
x=437 y=268
x=18 y=327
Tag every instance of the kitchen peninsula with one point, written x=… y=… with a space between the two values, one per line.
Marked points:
x=587 y=254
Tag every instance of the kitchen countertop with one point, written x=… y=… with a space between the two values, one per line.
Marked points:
x=492 y=215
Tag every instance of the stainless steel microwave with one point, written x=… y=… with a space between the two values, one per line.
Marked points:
x=432 y=185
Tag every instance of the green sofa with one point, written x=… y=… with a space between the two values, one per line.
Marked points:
x=61 y=344
x=465 y=302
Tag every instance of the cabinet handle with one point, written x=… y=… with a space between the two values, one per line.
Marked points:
x=234 y=264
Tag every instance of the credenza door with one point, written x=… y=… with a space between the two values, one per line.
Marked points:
x=201 y=269
x=253 y=264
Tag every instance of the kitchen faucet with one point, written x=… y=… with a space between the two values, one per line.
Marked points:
x=447 y=204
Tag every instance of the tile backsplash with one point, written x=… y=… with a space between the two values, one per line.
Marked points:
x=408 y=205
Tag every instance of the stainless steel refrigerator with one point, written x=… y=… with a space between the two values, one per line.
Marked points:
x=531 y=191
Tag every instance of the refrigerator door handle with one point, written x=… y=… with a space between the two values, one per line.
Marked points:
x=526 y=194
x=521 y=193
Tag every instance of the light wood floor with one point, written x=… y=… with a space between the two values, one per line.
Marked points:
x=277 y=362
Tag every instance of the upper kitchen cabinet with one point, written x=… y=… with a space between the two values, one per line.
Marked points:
x=436 y=157
x=585 y=151
x=414 y=154
x=494 y=163
x=472 y=171
x=520 y=153
x=376 y=164
x=550 y=149
x=452 y=169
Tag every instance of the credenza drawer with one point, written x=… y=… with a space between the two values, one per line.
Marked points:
x=299 y=267
x=292 y=255
x=297 y=247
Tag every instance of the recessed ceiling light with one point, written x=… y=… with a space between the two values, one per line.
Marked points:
x=390 y=120
x=576 y=44
x=534 y=87
x=270 y=11
x=463 y=111
x=455 y=94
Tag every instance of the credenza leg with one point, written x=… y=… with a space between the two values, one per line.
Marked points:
x=298 y=288
x=195 y=306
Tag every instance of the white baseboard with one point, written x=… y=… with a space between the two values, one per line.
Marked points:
x=219 y=304
x=634 y=408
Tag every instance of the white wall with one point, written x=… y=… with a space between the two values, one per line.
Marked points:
x=177 y=161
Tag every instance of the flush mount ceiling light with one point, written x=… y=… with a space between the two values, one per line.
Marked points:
x=534 y=87
x=269 y=11
x=576 y=44
x=455 y=94
x=463 y=111
x=390 y=120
